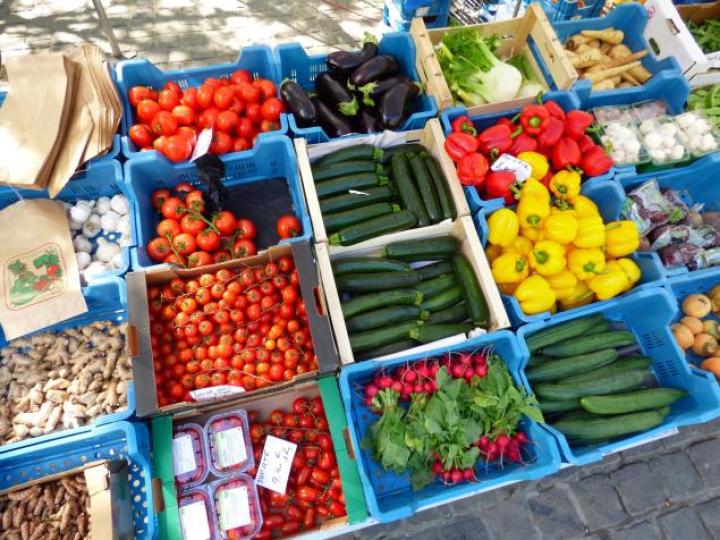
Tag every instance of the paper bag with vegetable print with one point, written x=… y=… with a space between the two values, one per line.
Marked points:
x=40 y=281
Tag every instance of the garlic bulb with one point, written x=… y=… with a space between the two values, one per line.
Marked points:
x=123 y=225
x=92 y=226
x=80 y=213
x=83 y=259
x=82 y=244
x=119 y=203
x=110 y=221
x=106 y=250
x=94 y=269
x=117 y=260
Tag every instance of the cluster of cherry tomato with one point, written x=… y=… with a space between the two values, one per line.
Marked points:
x=245 y=327
x=236 y=108
x=314 y=491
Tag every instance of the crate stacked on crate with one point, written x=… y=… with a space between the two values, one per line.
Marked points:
x=562 y=10
x=398 y=14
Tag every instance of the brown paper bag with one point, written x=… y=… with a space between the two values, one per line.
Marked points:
x=40 y=281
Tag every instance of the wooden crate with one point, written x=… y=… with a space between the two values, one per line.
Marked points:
x=462 y=228
x=514 y=34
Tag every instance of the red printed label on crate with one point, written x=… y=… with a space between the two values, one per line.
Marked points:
x=275 y=464
x=506 y=162
x=183 y=455
x=194 y=522
x=234 y=508
x=215 y=392
x=230 y=447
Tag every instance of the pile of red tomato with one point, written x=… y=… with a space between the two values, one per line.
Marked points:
x=314 y=490
x=244 y=327
x=236 y=108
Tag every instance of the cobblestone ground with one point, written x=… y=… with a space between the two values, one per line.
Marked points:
x=668 y=489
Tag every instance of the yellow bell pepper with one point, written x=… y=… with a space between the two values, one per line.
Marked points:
x=565 y=185
x=531 y=185
x=510 y=268
x=548 y=258
x=585 y=207
x=493 y=252
x=521 y=245
x=537 y=162
x=503 y=227
x=590 y=233
x=560 y=227
x=535 y=295
x=533 y=235
x=581 y=296
x=632 y=270
x=586 y=263
x=608 y=284
x=621 y=238
x=532 y=210
x=614 y=266
x=508 y=288
x=563 y=283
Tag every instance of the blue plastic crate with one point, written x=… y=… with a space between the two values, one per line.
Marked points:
x=647 y=314
x=396 y=22
x=409 y=9
x=257 y=59
x=117 y=441
x=609 y=198
x=102 y=178
x=561 y=10
x=272 y=157
x=389 y=496
x=631 y=18
x=106 y=300
x=295 y=64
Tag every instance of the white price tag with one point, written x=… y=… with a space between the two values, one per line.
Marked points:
x=506 y=162
x=194 y=522
x=183 y=454
x=215 y=392
x=202 y=145
x=275 y=464
x=230 y=447
x=234 y=508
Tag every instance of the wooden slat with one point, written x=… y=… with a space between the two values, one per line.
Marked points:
x=552 y=51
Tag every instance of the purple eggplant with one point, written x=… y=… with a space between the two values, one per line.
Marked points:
x=367 y=120
x=372 y=91
x=395 y=103
x=332 y=89
x=334 y=123
x=298 y=102
x=346 y=61
x=378 y=67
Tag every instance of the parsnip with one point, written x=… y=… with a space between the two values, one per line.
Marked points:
x=606 y=84
x=619 y=51
x=609 y=35
x=641 y=73
x=598 y=76
x=587 y=59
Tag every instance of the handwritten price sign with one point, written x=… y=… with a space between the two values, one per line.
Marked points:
x=274 y=468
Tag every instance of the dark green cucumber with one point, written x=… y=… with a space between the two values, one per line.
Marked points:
x=433 y=332
x=444 y=300
x=455 y=314
x=435 y=269
x=602 y=428
x=474 y=298
x=385 y=316
x=416 y=148
x=425 y=187
x=408 y=193
x=369 y=302
x=640 y=400
x=387 y=349
x=608 y=384
x=582 y=344
x=363 y=282
x=371 y=339
x=357 y=152
x=562 y=331
x=351 y=265
x=427 y=249
x=447 y=206
x=537 y=359
x=554 y=370
x=346 y=167
x=348 y=201
x=553 y=407
x=342 y=184
x=618 y=366
x=599 y=328
x=431 y=287
x=399 y=221
x=338 y=220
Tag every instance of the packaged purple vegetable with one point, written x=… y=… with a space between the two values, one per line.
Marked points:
x=666 y=235
x=649 y=208
x=681 y=255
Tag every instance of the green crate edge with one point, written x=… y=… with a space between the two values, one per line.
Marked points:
x=169 y=518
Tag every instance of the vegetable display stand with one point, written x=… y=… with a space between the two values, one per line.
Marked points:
x=263 y=184
x=434 y=18
x=326 y=388
x=295 y=64
x=561 y=10
x=390 y=496
x=106 y=300
x=119 y=441
x=533 y=27
x=430 y=137
x=646 y=314
x=609 y=198
x=462 y=229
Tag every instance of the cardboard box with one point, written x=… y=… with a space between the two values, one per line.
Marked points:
x=139 y=323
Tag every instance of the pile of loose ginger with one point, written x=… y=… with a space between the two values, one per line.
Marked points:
x=603 y=58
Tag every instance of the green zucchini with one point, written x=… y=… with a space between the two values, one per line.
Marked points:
x=640 y=400
x=455 y=314
x=444 y=300
x=608 y=384
x=377 y=226
x=447 y=206
x=582 y=344
x=431 y=287
x=351 y=265
x=426 y=189
x=427 y=249
x=416 y=148
x=435 y=269
x=537 y=359
x=618 y=366
x=385 y=316
x=433 y=332
x=387 y=349
x=553 y=370
x=346 y=167
x=599 y=328
x=359 y=151
x=408 y=193
x=338 y=220
x=348 y=201
x=369 y=302
x=552 y=407
x=602 y=428
x=362 y=282
x=561 y=332
x=474 y=298
x=342 y=184
x=371 y=339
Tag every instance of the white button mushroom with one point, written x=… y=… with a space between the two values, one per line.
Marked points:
x=652 y=141
x=676 y=152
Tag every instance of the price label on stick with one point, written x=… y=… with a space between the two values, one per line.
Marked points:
x=274 y=468
x=506 y=162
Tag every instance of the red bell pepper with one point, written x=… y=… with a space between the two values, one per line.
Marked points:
x=505 y=121
x=499 y=184
x=458 y=145
x=495 y=140
x=552 y=133
x=596 y=162
x=555 y=110
x=534 y=119
x=576 y=122
x=586 y=143
x=463 y=124
x=545 y=180
x=472 y=169
x=566 y=153
x=523 y=143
